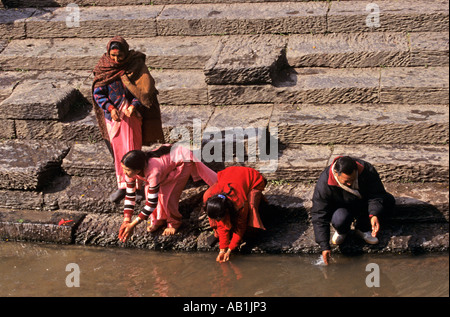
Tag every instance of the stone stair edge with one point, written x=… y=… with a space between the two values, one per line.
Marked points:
x=338 y=19
x=69 y=227
x=295 y=124
x=299 y=50
x=416 y=202
x=400 y=85
x=398 y=163
x=56 y=3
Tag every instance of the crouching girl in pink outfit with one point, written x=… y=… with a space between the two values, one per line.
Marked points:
x=165 y=172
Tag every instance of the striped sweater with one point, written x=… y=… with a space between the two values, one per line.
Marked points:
x=151 y=200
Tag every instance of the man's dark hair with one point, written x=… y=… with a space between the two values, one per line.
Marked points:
x=346 y=165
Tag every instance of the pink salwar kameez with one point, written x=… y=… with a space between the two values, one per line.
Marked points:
x=124 y=135
x=170 y=173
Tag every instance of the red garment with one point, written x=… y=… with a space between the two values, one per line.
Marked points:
x=237 y=182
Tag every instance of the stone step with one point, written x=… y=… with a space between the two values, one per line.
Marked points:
x=419 y=222
x=30 y=165
x=290 y=234
x=395 y=163
x=415 y=202
x=413 y=85
x=232 y=18
x=396 y=85
x=238 y=59
x=360 y=50
x=79 y=125
x=30 y=225
x=61 y=3
x=302 y=124
x=37 y=100
x=361 y=123
x=176 y=52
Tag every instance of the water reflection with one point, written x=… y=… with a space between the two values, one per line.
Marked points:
x=28 y=269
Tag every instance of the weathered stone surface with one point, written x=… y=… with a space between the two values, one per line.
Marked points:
x=301 y=164
x=305 y=85
x=9 y=80
x=177 y=52
x=28 y=225
x=57 y=3
x=429 y=49
x=3 y=44
x=245 y=116
x=242 y=18
x=418 y=85
x=420 y=202
x=348 y=50
x=81 y=127
x=395 y=163
x=29 y=165
x=87 y=159
x=395 y=16
x=84 y=194
x=349 y=85
x=81 y=80
x=19 y=199
x=361 y=123
x=8 y=131
x=129 y=21
x=83 y=53
x=51 y=3
x=178 y=87
x=12 y=22
x=236 y=134
x=39 y=100
x=402 y=163
x=185 y=123
x=246 y=60
x=57 y=54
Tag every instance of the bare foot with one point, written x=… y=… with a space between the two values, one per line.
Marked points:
x=169 y=232
x=151 y=227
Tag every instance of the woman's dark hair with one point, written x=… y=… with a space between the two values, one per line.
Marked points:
x=346 y=165
x=137 y=159
x=117 y=46
x=218 y=205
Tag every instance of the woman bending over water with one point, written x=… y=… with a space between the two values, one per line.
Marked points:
x=232 y=205
x=165 y=172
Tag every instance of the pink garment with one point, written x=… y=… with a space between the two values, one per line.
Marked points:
x=172 y=173
x=125 y=136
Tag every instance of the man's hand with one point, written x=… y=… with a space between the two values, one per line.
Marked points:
x=375 y=225
x=326 y=254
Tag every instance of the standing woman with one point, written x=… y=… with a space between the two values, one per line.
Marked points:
x=127 y=108
x=232 y=206
x=166 y=172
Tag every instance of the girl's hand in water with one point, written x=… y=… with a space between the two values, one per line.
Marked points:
x=223 y=256
x=126 y=230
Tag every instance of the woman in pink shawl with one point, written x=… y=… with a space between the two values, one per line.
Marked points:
x=165 y=172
